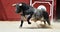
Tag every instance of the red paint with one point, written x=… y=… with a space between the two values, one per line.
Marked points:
x=8 y=12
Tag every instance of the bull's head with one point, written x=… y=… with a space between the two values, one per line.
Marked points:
x=20 y=7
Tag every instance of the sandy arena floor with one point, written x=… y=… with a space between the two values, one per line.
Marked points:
x=13 y=26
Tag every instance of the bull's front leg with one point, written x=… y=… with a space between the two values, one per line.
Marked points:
x=22 y=18
x=29 y=17
x=21 y=23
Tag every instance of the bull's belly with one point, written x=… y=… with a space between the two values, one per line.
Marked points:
x=24 y=17
x=37 y=19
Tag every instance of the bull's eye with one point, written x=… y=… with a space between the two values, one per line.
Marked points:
x=20 y=4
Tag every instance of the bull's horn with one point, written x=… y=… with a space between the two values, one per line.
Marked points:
x=13 y=4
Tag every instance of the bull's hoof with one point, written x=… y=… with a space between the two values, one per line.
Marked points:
x=20 y=25
x=29 y=22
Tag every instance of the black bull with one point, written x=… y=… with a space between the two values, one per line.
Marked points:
x=28 y=10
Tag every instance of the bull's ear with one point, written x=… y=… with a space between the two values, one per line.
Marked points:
x=13 y=4
x=20 y=4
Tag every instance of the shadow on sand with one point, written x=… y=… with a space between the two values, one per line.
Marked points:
x=40 y=26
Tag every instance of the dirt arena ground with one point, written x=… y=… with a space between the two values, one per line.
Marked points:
x=13 y=26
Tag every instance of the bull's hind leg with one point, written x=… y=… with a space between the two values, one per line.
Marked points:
x=46 y=17
x=44 y=22
x=42 y=19
x=48 y=21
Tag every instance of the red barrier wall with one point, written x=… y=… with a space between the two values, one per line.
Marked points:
x=7 y=12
